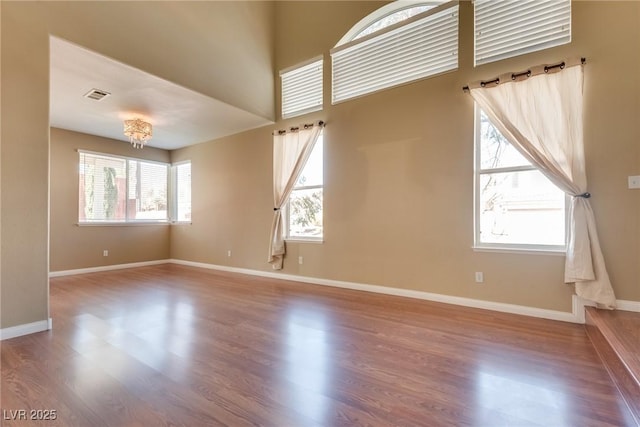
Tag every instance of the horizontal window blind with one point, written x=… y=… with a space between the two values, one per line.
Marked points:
x=147 y=191
x=302 y=89
x=102 y=188
x=120 y=189
x=422 y=46
x=509 y=28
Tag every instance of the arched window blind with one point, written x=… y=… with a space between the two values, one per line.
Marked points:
x=421 y=46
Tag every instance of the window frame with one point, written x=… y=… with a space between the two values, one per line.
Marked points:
x=173 y=192
x=287 y=208
x=127 y=220
x=478 y=245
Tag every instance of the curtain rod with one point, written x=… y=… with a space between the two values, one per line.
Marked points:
x=527 y=74
x=297 y=128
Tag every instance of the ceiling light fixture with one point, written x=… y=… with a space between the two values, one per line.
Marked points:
x=138 y=131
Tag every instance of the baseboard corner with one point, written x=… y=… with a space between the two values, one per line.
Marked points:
x=26 y=329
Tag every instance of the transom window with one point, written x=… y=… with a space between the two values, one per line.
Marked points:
x=509 y=28
x=393 y=46
x=302 y=88
x=304 y=209
x=517 y=207
x=393 y=18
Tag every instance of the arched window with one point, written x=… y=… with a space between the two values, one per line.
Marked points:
x=398 y=43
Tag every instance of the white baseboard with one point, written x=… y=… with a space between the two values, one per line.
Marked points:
x=628 y=305
x=573 y=317
x=26 y=329
x=106 y=268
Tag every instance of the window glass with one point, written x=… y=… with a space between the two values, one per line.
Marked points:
x=114 y=189
x=305 y=206
x=102 y=188
x=496 y=150
x=312 y=172
x=516 y=205
x=147 y=190
x=521 y=208
x=393 y=18
x=183 y=191
x=305 y=213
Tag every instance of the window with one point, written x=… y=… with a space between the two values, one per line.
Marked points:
x=181 y=176
x=147 y=190
x=304 y=209
x=302 y=89
x=393 y=18
x=509 y=28
x=118 y=189
x=517 y=207
x=404 y=45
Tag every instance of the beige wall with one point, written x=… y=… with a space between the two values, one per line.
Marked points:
x=399 y=170
x=232 y=201
x=25 y=174
x=72 y=246
x=185 y=42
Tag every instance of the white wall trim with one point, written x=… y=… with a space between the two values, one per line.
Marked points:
x=25 y=329
x=628 y=305
x=107 y=268
x=575 y=316
x=572 y=317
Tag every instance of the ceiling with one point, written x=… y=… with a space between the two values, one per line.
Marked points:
x=179 y=116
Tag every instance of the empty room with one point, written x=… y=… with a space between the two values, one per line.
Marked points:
x=320 y=213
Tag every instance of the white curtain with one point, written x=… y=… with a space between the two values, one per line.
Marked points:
x=291 y=149
x=542 y=117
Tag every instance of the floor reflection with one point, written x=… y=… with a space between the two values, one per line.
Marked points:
x=514 y=397
x=149 y=334
x=308 y=362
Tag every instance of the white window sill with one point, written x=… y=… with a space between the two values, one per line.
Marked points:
x=181 y=223
x=520 y=251
x=121 y=224
x=303 y=240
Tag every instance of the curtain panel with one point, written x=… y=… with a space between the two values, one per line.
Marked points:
x=291 y=150
x=541 y=116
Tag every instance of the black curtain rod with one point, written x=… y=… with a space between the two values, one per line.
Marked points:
x=527 y=73
x=297 y=128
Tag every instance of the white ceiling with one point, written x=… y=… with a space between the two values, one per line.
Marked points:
x=179 y=116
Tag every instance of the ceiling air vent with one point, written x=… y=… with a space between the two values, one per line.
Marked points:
x=96 y=94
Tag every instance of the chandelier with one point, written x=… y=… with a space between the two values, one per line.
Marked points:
x=138 y=131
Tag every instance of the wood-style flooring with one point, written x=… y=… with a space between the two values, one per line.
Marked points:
x=172 y=345
x=616 y=337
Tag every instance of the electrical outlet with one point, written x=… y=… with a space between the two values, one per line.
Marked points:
x=105 y=253
x=479 y=277
x=229 y=253
x=300 y=260
x=634 y=182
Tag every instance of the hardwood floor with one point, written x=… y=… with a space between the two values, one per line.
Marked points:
x=616 y=337
x=181 y=346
